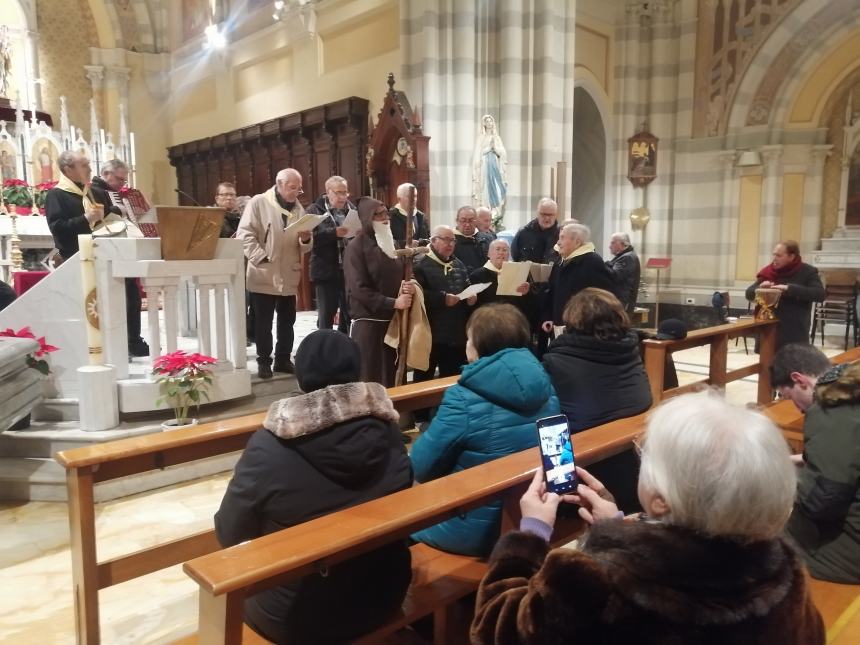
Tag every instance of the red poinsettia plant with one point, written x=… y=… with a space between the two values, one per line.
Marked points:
x=184 y=380
x=17 y=192
x=41 y=192
x=36 y=359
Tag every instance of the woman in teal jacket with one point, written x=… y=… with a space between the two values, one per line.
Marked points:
x=489 y=413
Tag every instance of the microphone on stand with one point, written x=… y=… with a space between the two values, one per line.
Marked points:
x=186 y=195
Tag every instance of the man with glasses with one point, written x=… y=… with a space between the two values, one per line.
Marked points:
x=471 y=247
x=330 y=239
x=407 y=206
x=274 y=267
x=535 y=242
x=442 y=276
x=225 y=197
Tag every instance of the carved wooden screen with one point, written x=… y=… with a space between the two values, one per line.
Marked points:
x=398 y=151
x=319 y=142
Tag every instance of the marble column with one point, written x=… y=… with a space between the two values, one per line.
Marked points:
x=116 y=92
x=728 y=217
x=96 y=74
x=770 y=219
x=810 y=229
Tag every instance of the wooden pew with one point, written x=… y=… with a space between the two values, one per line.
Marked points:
x=91 y=465
x=655 y=352
x=226 y=577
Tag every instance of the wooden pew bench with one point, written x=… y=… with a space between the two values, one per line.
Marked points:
x=226 y=577
x=91 y=465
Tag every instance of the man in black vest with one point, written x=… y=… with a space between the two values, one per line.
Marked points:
x=625 y=270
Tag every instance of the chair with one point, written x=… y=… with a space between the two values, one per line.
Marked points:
x=839 y=305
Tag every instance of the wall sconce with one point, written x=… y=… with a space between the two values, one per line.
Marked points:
x=749 y=158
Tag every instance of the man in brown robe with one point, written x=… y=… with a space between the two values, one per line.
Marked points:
x=375 y=288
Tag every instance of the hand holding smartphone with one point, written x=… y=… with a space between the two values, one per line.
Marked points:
x=556 y=451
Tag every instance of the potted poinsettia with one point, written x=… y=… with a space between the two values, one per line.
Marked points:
x=16 y=193
x=35 y=360
x=40 y=193
x=184 y=381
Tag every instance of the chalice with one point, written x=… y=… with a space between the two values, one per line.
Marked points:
x=766 y=299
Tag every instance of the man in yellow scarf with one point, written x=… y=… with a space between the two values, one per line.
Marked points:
x=68 y=210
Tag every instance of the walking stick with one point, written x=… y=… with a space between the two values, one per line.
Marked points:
x=400 y=375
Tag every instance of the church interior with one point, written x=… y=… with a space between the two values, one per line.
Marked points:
x=708 y=131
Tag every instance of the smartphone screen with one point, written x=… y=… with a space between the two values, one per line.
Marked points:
x=556 y=452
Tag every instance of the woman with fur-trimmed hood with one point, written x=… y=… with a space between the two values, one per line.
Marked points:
x=706 y=565
x=825 y=523
x=334 y=447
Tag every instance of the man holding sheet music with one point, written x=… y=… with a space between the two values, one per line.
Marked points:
x=276 y=233
x=443 y=279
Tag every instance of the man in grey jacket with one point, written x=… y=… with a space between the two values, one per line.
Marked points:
x=274 y=266
x=625 y=270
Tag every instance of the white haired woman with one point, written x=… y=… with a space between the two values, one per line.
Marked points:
x=705 y=565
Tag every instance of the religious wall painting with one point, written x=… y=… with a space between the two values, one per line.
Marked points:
x=8 y=161
x=44 y=155
x=642 y=158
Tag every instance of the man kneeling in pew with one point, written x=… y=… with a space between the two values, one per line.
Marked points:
x=706 y=565
x=336 y=446
x=825 y=523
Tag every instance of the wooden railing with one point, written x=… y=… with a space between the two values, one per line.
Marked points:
x=91 y=465
x=226 y=577
x=655 y=352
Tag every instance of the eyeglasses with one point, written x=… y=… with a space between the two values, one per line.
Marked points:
x=548 y=214
x=226 y=195
x=446 y=240
x=341 y=193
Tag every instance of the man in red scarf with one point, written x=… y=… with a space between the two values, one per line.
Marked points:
x=800 y=286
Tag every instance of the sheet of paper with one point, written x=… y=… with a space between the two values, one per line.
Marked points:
x=473 y=290
x=306 y=223
x=352 y=223
x=540 y=272
x=512 y=275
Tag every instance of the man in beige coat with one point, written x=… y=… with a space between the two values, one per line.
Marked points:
x=274 y=266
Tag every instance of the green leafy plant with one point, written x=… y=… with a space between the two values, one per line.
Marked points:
x=35 y=359
x=41 y=192
x=183 y=380
x=17 y=192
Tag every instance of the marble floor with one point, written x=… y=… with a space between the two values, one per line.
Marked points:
x=35 y=564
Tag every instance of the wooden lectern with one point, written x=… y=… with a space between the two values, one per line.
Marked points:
x=189 y=232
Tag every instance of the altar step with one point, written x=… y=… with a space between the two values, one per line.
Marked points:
x=841 y=251
x=29 y=472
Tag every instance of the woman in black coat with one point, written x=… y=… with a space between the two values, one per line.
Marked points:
x=598 y=375
x=332 y=448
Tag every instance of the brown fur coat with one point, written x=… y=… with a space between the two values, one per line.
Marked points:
x=642 y=583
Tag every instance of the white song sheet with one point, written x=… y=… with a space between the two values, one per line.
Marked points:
x=540 y=272
x=512 y=275
x=473 y=290
x=305 y=223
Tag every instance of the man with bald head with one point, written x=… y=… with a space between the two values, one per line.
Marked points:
x=407 y=206
x=484 y=223
x=274 y=267
x=442 y=276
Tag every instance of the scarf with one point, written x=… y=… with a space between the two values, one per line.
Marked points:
x=781 y=274
x=71 y=187
x=468 y=237
x=277 y=202
x=582 y=250
x=446 y=266
x=489 y=265
x=402 y=210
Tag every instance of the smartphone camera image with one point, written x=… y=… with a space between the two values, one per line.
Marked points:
x=556 y=452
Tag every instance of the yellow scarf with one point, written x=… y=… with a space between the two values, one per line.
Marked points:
x=446 y=266
x=582 y=250
x=71 y=187
x=489 y=265
x=402 y=210
x=291 y=216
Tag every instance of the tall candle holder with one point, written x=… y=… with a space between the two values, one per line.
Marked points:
x=15 y=254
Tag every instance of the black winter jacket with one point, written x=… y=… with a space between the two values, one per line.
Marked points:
x=569 y=278
x=316 y=458
x=471 y=251
x=795 y=305
x=397 y=221
x=625 y=271
x=534 y=243
x=327 y=252
x=447 y=324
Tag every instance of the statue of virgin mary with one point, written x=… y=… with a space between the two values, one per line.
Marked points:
x=489 y=185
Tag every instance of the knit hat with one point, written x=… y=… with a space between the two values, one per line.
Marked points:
x=327 y=357
x=671 y=329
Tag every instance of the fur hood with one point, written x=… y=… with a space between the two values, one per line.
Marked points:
x=309 y=413
x=840 y=385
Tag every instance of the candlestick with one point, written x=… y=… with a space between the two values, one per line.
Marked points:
x=86 y=247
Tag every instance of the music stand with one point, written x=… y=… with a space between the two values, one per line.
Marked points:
x=659 y=264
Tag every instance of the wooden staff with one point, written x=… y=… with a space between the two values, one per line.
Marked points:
x=400 y=375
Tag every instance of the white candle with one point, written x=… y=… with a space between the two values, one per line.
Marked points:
x=131 y=138
x=72 y=135
x=86 y=247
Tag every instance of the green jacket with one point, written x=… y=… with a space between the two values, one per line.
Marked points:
x=825 y=522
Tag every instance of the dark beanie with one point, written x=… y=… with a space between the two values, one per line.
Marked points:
x=327 y=357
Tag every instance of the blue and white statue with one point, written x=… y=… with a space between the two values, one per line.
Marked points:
x=489 y=183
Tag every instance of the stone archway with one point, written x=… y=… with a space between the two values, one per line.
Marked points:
x=588 y=194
